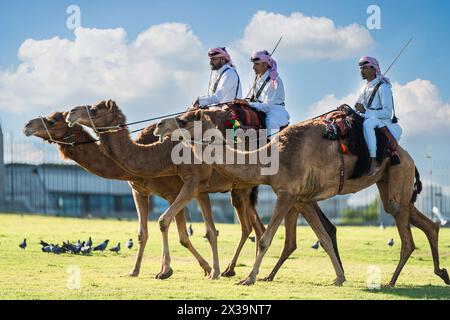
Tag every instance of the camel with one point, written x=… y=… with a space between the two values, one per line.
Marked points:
x=154 y=160
x=308 y=172
x=89 y=156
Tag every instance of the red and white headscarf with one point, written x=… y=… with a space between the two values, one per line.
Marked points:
x=264 y=56
x=372 y=62
x=220 y=52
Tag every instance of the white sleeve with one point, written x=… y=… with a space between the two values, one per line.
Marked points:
x=269 y=100
x=385 y=95
x=226 y=90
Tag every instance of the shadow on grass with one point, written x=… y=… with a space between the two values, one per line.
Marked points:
x=416 y=292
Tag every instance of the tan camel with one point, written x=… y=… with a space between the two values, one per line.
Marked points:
x=308 y=172
x=89 y=156
x=137 y=158
x=154 y=160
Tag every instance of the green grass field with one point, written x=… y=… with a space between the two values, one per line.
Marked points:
x=32 y=274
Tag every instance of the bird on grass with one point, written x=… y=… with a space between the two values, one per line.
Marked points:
x=102 y=246
x=47 y=249
x=89 y=242
x=391 y=242
x=252 y=238
x=86 y=250
x=44 y=244
x=316 y=245
x=130 y=244
x=23 y=244
x=190 y=230
x=115 y=249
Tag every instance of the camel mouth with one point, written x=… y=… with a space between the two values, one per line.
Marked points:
x=28 y=131
x=71 y=122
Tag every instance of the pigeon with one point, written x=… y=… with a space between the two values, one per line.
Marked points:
x=102 y=246
x=190 y=230
x=316 y=245
x=47 y=249
x=86 y=250
x=115 y=249
x=23 y=245
x=44 y=244
x=89 y=242
x=130 y=244
x=391 y=242
x=382 y=227
x=252 y=238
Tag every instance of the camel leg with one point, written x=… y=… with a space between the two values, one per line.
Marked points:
x=211 y=233
x=431 y=230
x=237 y=199
x=284 y=204
x=180 y=219
x=142 y=204
x=419 y=220
x=313 y=218
x=407 y=247
x=331 y=230
x=186 y=193
x=290 y=242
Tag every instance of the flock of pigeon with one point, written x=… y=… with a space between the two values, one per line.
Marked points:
x=84 y=248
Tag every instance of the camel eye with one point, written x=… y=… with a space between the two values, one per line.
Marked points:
x=182 y=123
x=94 y=111
x=51 y=122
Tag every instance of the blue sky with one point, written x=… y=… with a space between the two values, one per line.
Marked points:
x=307 y=81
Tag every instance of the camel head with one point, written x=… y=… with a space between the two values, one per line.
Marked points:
x=55 y=124
x=186 y=121
x=105 y=113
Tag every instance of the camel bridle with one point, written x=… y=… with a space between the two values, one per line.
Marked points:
x=108 y=129
x=50 y=137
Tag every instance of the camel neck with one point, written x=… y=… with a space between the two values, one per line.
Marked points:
x=90 y=157
x=142 y=160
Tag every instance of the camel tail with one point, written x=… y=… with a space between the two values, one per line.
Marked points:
x=254 y=196
x=417 y=186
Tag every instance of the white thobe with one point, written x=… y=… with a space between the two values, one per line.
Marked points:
x=228 y=87
x=379 y=114
x=270 y=101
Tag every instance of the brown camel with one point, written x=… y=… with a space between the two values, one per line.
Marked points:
x=89 y=156
x=154 y=160
x=308 y=172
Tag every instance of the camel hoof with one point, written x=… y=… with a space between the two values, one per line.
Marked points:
x=132 y=274
x=268 y=279
x=389 y=285
x=338 y=282
x=165 y=275
x=214 y=275
x=228 y=273
x=246 y=282
x=443 y=274
x=207 y=271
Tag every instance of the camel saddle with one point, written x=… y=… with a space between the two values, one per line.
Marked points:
x=248 y=117
x=347 y=124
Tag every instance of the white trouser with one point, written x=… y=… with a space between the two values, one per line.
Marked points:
x=276 y=117
x=369 y=132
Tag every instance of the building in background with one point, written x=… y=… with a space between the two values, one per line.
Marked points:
x=2 y=172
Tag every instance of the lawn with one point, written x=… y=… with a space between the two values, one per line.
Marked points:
x=32 y=274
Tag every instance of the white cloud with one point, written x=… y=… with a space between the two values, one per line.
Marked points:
x=160 y=65
x=418 y=105
x=304 y=37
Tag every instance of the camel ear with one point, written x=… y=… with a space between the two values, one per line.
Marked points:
x=111 y=104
